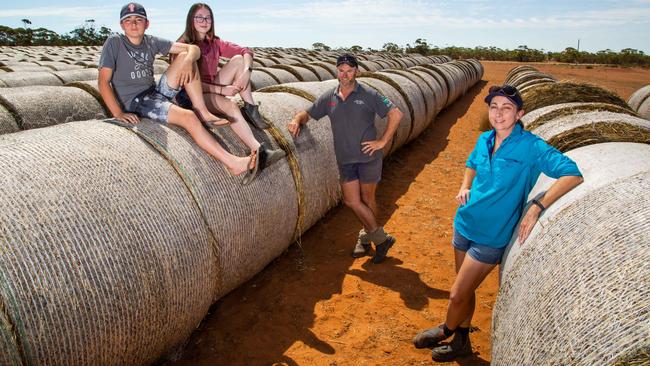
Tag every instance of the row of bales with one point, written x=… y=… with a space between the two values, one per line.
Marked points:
x=577 y=291
x=115 y=239
x=42 y=92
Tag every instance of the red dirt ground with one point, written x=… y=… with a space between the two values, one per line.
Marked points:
x=315 y=305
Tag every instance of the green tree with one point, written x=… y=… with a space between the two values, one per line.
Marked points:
x=319 y=46
x=356 y=49
x=392 y=47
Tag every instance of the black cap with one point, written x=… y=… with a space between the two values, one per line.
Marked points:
x=347 y=58
x=507 y=91
x=132 y=9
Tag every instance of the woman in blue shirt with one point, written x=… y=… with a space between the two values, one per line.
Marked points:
x=500 y=173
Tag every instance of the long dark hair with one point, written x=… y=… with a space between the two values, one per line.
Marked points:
x=189 y=36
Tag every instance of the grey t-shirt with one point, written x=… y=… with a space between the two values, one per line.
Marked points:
x=353 y=120
x=132 y=64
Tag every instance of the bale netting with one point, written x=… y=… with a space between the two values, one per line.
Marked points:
x=524 y=77
x=425 y=82
x=567 y=92
x=540 y=116
x=301 y=73
x=412 y=87
x=576 y=292
x=442 y=95
x=15 y=79
x=640 y=102
x=282 y=76
x=307 y=90
x=572 y=131
x=43 y=106
x=129 y=264
x=260 y=79
x=69 y=76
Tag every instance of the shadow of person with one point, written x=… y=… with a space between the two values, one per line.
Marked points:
x=412 y=290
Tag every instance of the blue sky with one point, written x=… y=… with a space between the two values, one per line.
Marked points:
x=549 y=25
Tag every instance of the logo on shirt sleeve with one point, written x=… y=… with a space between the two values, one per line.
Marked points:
x=387 y=102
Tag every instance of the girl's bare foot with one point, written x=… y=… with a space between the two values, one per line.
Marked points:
x=244 y=164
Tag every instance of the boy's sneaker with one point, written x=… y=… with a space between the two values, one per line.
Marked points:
x=459 y=346
x=252 y=114
x=360 y=250
x=382 y=249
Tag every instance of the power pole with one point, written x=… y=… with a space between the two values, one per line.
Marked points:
x=578 y=45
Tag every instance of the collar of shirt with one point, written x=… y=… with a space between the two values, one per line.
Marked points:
x=516 y=132
x=355 y=90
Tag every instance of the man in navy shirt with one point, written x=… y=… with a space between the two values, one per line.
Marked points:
x=499 y=175
x=351 y=108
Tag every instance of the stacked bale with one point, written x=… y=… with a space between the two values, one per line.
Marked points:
x=561 y=295
x=49 y=105
x=142 y=230
x=640 y=102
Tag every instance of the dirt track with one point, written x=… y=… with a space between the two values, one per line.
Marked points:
x=315 y=305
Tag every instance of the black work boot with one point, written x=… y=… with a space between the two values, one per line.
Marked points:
x=459 y=346
x=430 y=337
x=252 y=114
x=382 y=249
x=269 y=156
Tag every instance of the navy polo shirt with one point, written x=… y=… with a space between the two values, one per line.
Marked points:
x=353 y=120
x=503 y=181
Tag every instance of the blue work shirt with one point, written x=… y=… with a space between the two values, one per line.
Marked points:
x=503 y=181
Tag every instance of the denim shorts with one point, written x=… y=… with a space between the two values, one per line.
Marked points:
x=369 y=172
x=481 y=253
x=154 y=103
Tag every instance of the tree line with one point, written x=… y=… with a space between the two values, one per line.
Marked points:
x=84 y=35
x=625 y=57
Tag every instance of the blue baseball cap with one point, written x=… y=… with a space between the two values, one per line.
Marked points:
x=507 y=91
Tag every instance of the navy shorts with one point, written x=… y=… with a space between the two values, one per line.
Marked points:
x=154 y=103
x=369 y=172
x=481 y=253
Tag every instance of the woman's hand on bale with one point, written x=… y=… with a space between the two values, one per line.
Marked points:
x=528 y=222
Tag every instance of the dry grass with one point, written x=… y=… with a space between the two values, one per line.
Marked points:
x=568 y=92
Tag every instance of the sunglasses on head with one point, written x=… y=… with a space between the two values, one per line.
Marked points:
x=508 y=90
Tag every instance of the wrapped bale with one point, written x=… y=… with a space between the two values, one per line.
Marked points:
x=412 y=88
x=301 y=73
x=69 y=76
x=7 y=121
x=576 y=292
x=15 y=79
x=638 y=97
x=49 y=105
x=581 y=129
x=27 y=68
x=130 y=265
x=60 y=66
x=442 y=95
x=260 y=79
x=540 y=116
x=282 y=76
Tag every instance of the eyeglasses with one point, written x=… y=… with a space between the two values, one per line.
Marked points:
x=508 y=90
x=203 y=19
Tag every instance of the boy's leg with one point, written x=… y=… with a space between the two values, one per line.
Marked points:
x=193 y=88
x=187 y=120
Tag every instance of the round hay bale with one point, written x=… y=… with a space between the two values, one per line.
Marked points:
x=322 y=73
x=281 y=75
x=530 y=83
x=433 y=88
x=644 y=109
x=16 y=79
x=638 y=97
x=369 y=66
x=260 y=79
x=567 y=92
x=576 y=292
x=389 y=89
x=307 y=90
x=450 y=81
x=540 y=116
x=523 y=77
x=420 y=97
x=69 y=76
x=49 y=105
x=7 y=121
x=330 y=67
x=129 y=263
x=301 y=73
x=572 y=131
x=516 y=70
x=442 y=94
x=59 y=66
x=264 y=62
x=27 y=68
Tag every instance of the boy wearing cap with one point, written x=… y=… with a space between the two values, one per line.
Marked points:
x=351 y=108
x=126 y=83
x=500 y=173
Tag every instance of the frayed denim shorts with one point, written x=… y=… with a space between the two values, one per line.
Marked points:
x=155 y=102
x=481 y=253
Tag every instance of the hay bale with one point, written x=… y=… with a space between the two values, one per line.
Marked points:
x=16 y=79
x=582 y=129
x=129 y=263
x=7 y=121
x=260 y=79
x=321 y=73
x=306 y=90
x=531 y=83
x=443 y=93
x=301 y=73
x=279 y=74
x=516 y=70
x=567 y=92
x=49 y=105
x=638 y=97
x=416 y=90
x=577 y=291
x=69 y=76
x=450 y=80
x=27 y=68
x=540 y=116
x=330 y=67
x=644 y=109
x=523 y=77
x=59 y=66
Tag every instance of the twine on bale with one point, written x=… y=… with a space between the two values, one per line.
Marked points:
x=264 y=70
x=568 y=92
x=283 y=88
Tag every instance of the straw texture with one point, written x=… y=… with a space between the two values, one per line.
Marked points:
x=7 y=121
x=14 y=79
x=543 y=95
x=540 y=116
x=577 y=292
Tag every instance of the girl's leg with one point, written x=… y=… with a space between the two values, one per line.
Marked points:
x=230 y=72
x=462 y=298
x=187 y=119
x=193 y=88
x=218 y=103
